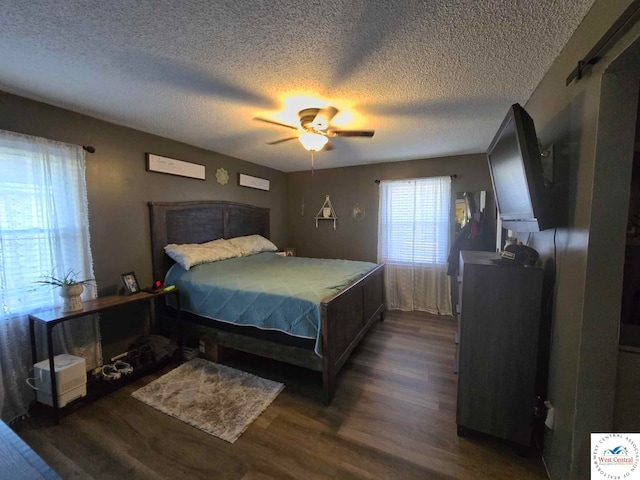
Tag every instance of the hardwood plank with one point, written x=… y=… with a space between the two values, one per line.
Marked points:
x=393 y=416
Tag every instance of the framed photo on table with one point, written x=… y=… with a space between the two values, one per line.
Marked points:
x=130 y=283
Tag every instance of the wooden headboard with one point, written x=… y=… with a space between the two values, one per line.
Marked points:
x=198 y=222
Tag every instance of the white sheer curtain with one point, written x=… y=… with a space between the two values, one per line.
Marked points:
x=414 y=225
x=44 y=229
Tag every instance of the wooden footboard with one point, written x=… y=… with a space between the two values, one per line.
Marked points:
x=346 y=317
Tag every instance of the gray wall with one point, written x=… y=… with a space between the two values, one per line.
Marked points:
x=591 y=123
x=358 y=240
x=119 y=186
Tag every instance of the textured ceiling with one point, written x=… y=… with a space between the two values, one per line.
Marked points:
x=432 y=78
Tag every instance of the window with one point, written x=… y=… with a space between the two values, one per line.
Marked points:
x=414 y=221
x=44 y=229
x=413 y=241
x=43 y=219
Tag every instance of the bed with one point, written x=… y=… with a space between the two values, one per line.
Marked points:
x=345 y=316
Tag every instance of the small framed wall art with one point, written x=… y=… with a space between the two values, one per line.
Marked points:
x=157 y=163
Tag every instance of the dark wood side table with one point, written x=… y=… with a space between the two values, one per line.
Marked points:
x=52 y=317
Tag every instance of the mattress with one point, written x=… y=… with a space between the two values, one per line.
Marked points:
x=267 y=291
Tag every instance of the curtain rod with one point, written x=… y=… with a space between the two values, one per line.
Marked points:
x=620 y=26
x=453 y=177
x=89 y=148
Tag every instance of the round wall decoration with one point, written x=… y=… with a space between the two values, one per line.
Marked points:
x=222 y=176
x=358 y=212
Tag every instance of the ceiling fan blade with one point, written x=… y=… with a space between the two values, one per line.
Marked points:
x=275 y=123
x=328 y=146
x=280 y=141
x=351 y=133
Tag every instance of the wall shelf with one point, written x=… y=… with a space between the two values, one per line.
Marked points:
x=327 y=212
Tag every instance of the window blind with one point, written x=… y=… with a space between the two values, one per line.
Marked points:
x=414 y=223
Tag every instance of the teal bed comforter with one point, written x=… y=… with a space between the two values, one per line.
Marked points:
x=266 y=290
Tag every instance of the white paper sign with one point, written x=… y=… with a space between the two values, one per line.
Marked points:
x=253 y=182
x=156 y=163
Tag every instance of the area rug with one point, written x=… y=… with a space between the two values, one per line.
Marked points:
x=216 y=399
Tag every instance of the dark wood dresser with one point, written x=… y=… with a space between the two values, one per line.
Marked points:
x=499 y=324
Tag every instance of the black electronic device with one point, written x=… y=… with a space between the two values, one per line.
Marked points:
x=526 y=201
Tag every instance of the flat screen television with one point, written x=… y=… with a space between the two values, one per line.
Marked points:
x=525 y=200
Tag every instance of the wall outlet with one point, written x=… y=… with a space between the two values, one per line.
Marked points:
x=201 y=346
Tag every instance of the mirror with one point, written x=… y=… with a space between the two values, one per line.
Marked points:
x=467 y=205
x=475 y=222
x=475 y=229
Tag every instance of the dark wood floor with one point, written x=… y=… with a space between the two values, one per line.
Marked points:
x=393 y=417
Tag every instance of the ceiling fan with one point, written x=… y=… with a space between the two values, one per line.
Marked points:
x=314 y=129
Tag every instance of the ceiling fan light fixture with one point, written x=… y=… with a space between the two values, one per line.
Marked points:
x=323 y=117
x=321 y=122
x=314 y=142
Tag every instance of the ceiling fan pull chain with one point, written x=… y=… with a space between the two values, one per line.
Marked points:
x=311 y=162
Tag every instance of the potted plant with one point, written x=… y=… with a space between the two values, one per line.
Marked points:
x=70 y=288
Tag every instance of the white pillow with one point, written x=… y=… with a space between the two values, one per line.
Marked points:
x=191 y=254
x=223 y=248
x=252 y=244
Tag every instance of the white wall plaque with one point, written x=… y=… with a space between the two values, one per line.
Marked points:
x=157 y=163
x=253 y=182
